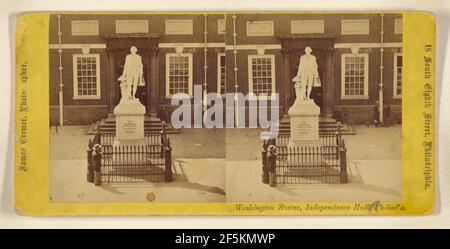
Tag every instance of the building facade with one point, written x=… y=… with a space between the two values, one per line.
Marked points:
x=87 y=55
x=359 y=60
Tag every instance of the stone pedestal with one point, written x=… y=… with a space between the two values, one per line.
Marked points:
x=304 y=116
x=129 y=123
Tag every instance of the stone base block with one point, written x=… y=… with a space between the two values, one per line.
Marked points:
x=129 y=120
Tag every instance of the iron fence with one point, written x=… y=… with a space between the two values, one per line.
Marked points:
x=324 y=163
x=148 y=161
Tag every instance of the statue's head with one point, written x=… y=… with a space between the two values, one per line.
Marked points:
x=308 y=50
x=133 y=49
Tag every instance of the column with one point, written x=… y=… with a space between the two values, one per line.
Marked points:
x=111 y=79
x=287 y=86
x=152 y=85
x=328 y=86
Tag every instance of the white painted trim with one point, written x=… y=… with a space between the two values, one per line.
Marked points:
x=269 y=32
x=77 y=46
x=253 y=46
x=135 y=21
x=398 y=26
x=394 y=82
x=250 y=78
x=95 y=22
x=190 y=81
x=192 y=45
x=218 y=74
x=369 y=45
x=75 y=78
x=366 y=78
x=305 y=22
x=230 y=47
x=188 y=22
x=364 y=32
x=220 y=23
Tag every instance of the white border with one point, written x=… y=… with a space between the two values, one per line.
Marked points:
x=9 y=218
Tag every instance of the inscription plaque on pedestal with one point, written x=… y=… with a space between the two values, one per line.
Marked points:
x=304 y=117
x=129 y=122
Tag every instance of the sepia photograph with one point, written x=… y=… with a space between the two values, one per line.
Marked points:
x=112 y=77
x=338 y=81
x=225 y=107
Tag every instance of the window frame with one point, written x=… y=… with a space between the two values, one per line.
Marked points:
x=366 y=76
x=250 y=76
x=395 y=82
x=75 y=77
x=190 y=78
x=219 y=74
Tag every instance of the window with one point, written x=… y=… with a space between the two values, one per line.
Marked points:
x=85 y=27
x=261 y=75
x=86 y=76
x=398 y=26
x=307 y=27
x=179 y=27
x=221 y=83
x=355 y=27
x=398 y=64
x=354 y=76
x=260 y=28
x=221 y=26
x=131 y=26
x=178 y=74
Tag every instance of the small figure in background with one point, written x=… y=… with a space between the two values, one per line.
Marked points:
x=387 y=114
x=96 y=161
x=376 y=114
x=339 y=115
x=163 y=115
x=272 y=163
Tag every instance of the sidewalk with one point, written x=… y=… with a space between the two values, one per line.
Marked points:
x=195 y=179
x=374 y=167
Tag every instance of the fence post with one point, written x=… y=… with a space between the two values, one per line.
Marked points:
x=163 y=139
x=343 y=156
x=265 y=168
x=272 y=164
x=90 y=168
x=97 y=164
x=168 y=161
